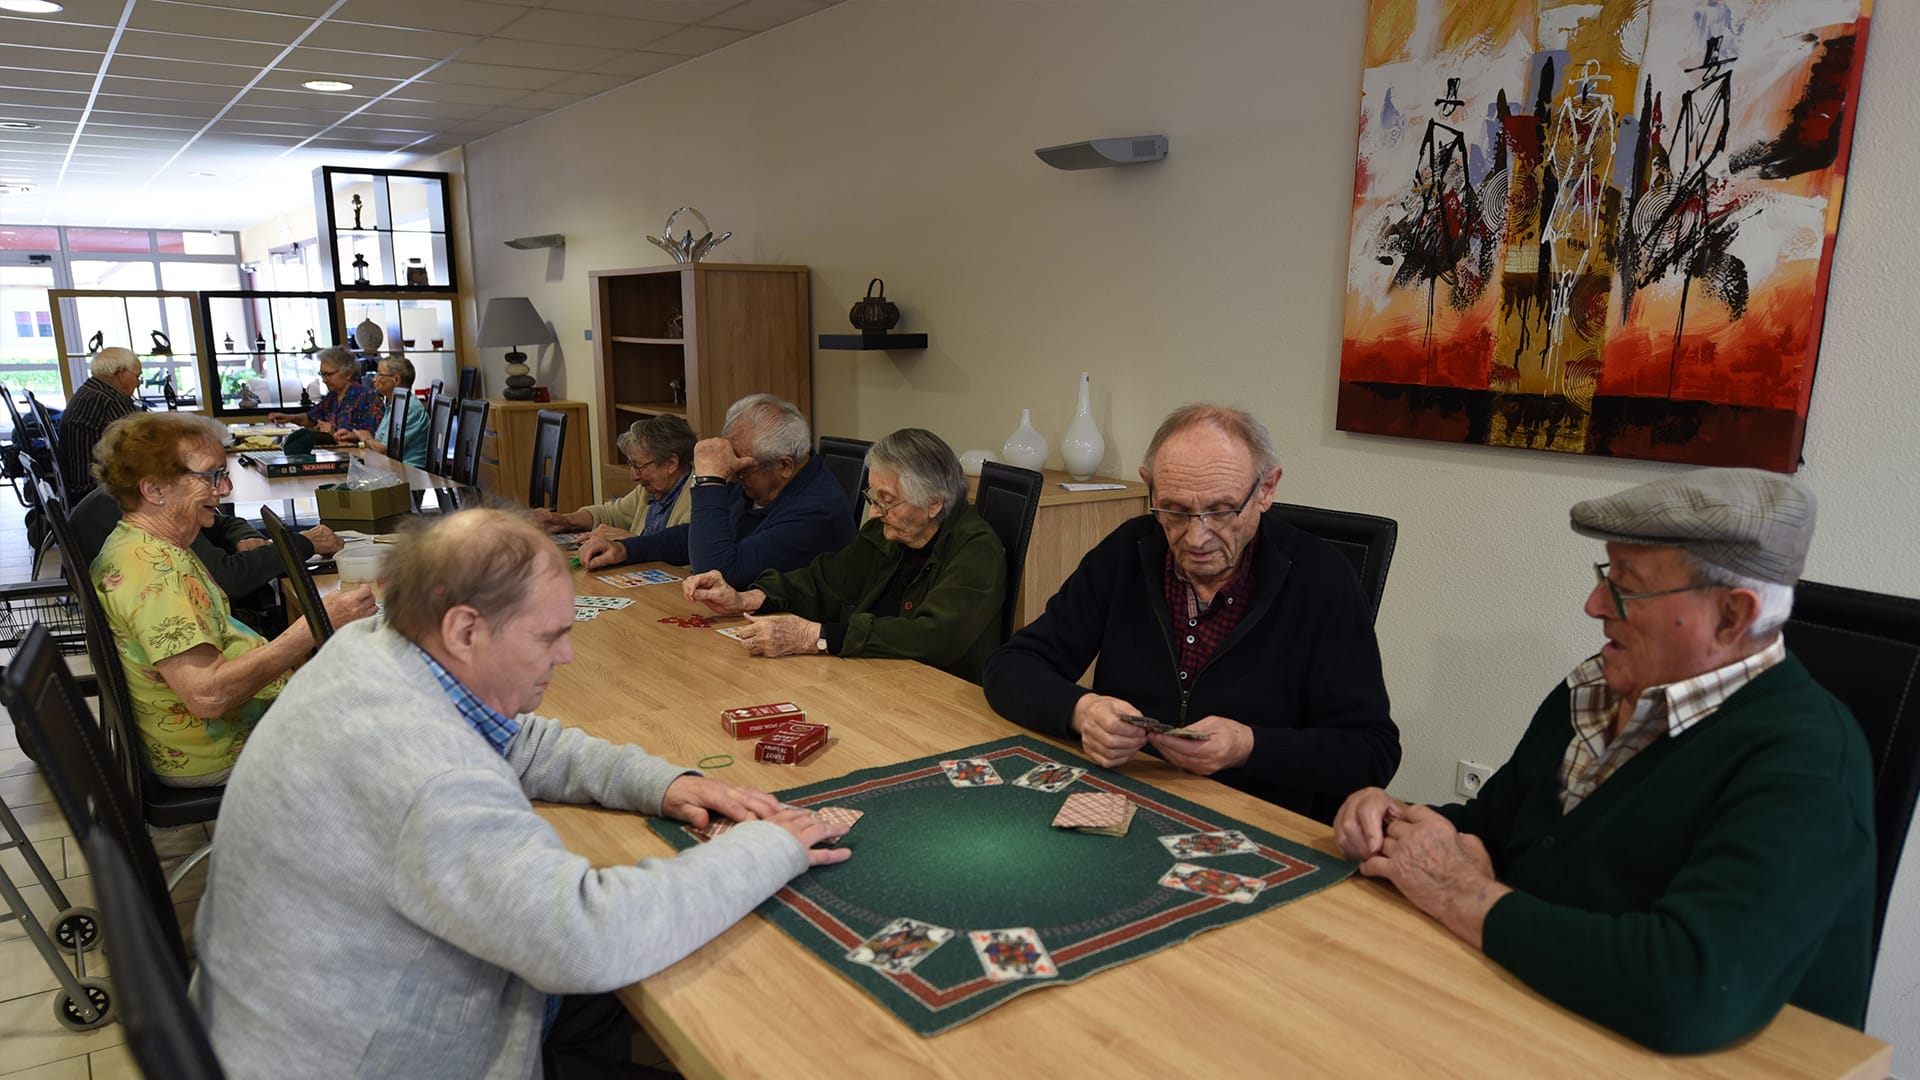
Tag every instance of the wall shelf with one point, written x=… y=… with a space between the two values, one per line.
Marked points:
x=870 y=340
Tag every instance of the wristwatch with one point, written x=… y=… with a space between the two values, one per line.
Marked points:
x=820 y=645
x=703 y=481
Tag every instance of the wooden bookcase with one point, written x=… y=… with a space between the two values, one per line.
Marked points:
x=506 y=452
x=744 y=328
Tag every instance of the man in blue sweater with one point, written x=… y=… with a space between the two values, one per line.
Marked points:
x=1213 y=615
x=761 y=501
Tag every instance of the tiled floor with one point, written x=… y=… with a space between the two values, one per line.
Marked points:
x=33 y=1046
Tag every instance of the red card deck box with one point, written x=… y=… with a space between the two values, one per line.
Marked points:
x=791 y=745
x=754 y=720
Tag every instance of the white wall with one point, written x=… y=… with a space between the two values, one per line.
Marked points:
x=895 y=139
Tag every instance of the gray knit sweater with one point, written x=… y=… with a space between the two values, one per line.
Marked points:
x=383 y=901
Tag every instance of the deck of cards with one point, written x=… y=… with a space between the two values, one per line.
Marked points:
x=1161 y=727
x=1102 y=813
x=633 y=578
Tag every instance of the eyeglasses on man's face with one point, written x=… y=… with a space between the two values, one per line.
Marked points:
x=1177 y=520
x=1620 y=598
x=880 y=503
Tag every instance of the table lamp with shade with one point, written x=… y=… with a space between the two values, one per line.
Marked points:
x=510 y=321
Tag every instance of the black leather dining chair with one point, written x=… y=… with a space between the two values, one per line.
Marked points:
x=298 y=577
x=1864 y=648
x=469 y=433
x=549 y=440
x=164 y=1031
x=400 y=404
x=1008 y=498
x=846 y=461
x=1366 y=540
x=439 y=432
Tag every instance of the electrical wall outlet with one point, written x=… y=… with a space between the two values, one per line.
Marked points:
x=1468 y=778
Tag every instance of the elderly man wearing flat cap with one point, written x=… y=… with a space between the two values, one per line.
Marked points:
x=1683 y=840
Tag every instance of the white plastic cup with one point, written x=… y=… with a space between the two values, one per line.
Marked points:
x=363 y=564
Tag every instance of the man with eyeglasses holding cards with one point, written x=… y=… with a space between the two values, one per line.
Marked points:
x=1213 y=616
x=1683 y=840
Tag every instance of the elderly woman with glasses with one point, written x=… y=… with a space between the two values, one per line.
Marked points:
x=348 y=406
x=925 y=579
x=199 y=679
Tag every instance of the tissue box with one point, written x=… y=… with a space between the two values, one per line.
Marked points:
x=366 y=505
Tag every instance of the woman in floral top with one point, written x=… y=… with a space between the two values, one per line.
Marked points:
x=199 y=678
x=348 y=406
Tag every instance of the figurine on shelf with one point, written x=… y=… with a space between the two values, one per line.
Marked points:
x=247 y=399
x=416 y=272
x=95 y=342
x=162 y=345
x=311 y=346
x=356 y=215
x=306 y=400
x=172 y=396
x=679 y=391
x=260 y=344
x=676 y=326
x=359 y=268
x=226 y=343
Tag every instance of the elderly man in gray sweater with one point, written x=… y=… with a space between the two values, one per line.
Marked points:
x=383 y=900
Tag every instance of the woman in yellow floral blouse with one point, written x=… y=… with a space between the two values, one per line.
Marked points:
x=199 y=678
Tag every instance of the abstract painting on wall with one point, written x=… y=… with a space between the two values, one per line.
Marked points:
x=1598 y=226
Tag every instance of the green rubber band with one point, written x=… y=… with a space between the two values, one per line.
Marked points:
x=716 y=761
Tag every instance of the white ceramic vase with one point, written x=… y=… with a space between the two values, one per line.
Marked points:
x=1026 y=447
x=1083 y=446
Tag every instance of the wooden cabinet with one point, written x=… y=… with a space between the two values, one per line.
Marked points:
x=506 y=452
x=1066 y=527
x=719 y=331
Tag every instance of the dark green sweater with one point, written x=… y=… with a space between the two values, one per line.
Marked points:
x=951 y=616
x=1715 y=877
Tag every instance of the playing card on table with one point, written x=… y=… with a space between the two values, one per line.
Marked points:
x=1092 y=809
x=1050 y=776
x=839 y=817
x=970 y=772
x=569 y=539
x=604 y=603
x=731 y=631
x=633 y=578
x=1012 y=954
x=1207 y=881
x=716 y=826
x=1202 y=845
x=900 y=945
x=585 y=614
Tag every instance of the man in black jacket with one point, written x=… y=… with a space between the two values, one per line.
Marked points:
x=1212 y=615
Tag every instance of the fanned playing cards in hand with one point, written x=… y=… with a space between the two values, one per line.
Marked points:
x=1102 y=813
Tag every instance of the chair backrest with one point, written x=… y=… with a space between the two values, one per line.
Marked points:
x=45 y=420
x=549 y=439
x=48 y=709
x=1008 y=498
x=116 y=702
x=439 y=431
x=846 y=459
x=297 y=575
x=437 y=385
x=469 y=383
x=164 y=1031
x=467 y=438
x=1366 y=540
x=1864 y=648
x=400 y=403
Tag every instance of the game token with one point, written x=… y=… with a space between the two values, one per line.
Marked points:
x=688 y=622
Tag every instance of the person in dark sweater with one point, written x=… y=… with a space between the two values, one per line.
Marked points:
x=1212 y=614
x=1683 y=841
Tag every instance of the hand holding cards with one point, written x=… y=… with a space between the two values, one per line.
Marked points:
x=1161 y=727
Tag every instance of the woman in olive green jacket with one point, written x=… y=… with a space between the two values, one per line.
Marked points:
x=925 y=580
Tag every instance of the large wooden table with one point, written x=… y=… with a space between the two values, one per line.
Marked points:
x=250 y=485
x=1352 y=981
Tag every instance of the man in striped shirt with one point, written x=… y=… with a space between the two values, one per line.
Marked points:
x=107 y=395
x=1683 y=841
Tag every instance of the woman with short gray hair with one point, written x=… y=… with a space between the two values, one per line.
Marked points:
x=925 y=580
x=650 y=520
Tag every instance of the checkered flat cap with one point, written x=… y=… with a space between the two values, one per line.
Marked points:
x=1753 y=522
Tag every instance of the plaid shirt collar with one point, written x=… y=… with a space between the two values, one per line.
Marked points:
x=497 y=727
x=1672 y=710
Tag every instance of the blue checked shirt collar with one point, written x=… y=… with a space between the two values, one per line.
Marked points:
x=497 y=727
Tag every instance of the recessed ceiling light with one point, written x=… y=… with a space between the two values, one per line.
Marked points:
x=328 y=86
x=19 y=125
x=30 y=7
